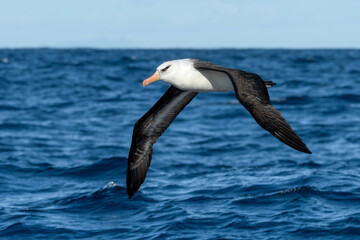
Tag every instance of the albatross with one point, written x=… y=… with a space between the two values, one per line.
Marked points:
x=188 y=77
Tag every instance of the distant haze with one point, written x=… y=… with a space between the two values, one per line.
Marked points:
x=181 y=24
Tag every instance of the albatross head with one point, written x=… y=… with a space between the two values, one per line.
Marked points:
x=174 y=72
x=166 y=72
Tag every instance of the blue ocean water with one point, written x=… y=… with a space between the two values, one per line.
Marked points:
x=66 y=119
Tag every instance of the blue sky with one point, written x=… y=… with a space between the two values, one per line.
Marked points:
x=181 y=24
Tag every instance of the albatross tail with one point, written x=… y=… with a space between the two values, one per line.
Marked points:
x=269 y=84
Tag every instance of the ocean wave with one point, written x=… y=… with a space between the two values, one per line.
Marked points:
x=96 y=169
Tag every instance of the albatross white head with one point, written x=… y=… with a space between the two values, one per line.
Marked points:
x=171 y=72
x=182 y=74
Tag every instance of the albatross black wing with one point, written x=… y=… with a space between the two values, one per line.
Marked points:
x=148 y=129
x=251 y=91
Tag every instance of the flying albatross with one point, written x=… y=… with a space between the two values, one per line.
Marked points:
x=188 y=77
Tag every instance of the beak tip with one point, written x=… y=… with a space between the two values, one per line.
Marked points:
x=151 y=79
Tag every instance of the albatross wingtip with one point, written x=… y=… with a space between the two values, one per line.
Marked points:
x=307 y=150
x=130 y=193
x=132 y=183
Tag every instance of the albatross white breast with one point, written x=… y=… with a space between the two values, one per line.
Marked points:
x=188 y=77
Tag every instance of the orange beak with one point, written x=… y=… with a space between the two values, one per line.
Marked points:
x=153 y=78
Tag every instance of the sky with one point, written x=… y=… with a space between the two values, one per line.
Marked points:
x=180 y=24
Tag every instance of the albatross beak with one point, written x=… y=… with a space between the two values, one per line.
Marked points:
x=153 y=78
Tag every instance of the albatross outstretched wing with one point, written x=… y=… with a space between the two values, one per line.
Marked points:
x=251 y=91
x=148 y=129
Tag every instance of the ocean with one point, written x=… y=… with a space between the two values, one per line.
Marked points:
x=66 y=121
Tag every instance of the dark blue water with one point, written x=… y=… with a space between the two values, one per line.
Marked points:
x=66 y=119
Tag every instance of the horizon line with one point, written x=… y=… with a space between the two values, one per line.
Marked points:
x=181 y=48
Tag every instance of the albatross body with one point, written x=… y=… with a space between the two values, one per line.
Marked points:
x=188 y=77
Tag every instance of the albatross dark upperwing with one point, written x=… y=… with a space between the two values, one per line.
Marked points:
x=251 y=91
x=148 y=129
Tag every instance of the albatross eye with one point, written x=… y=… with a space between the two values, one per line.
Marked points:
x=166 y=68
